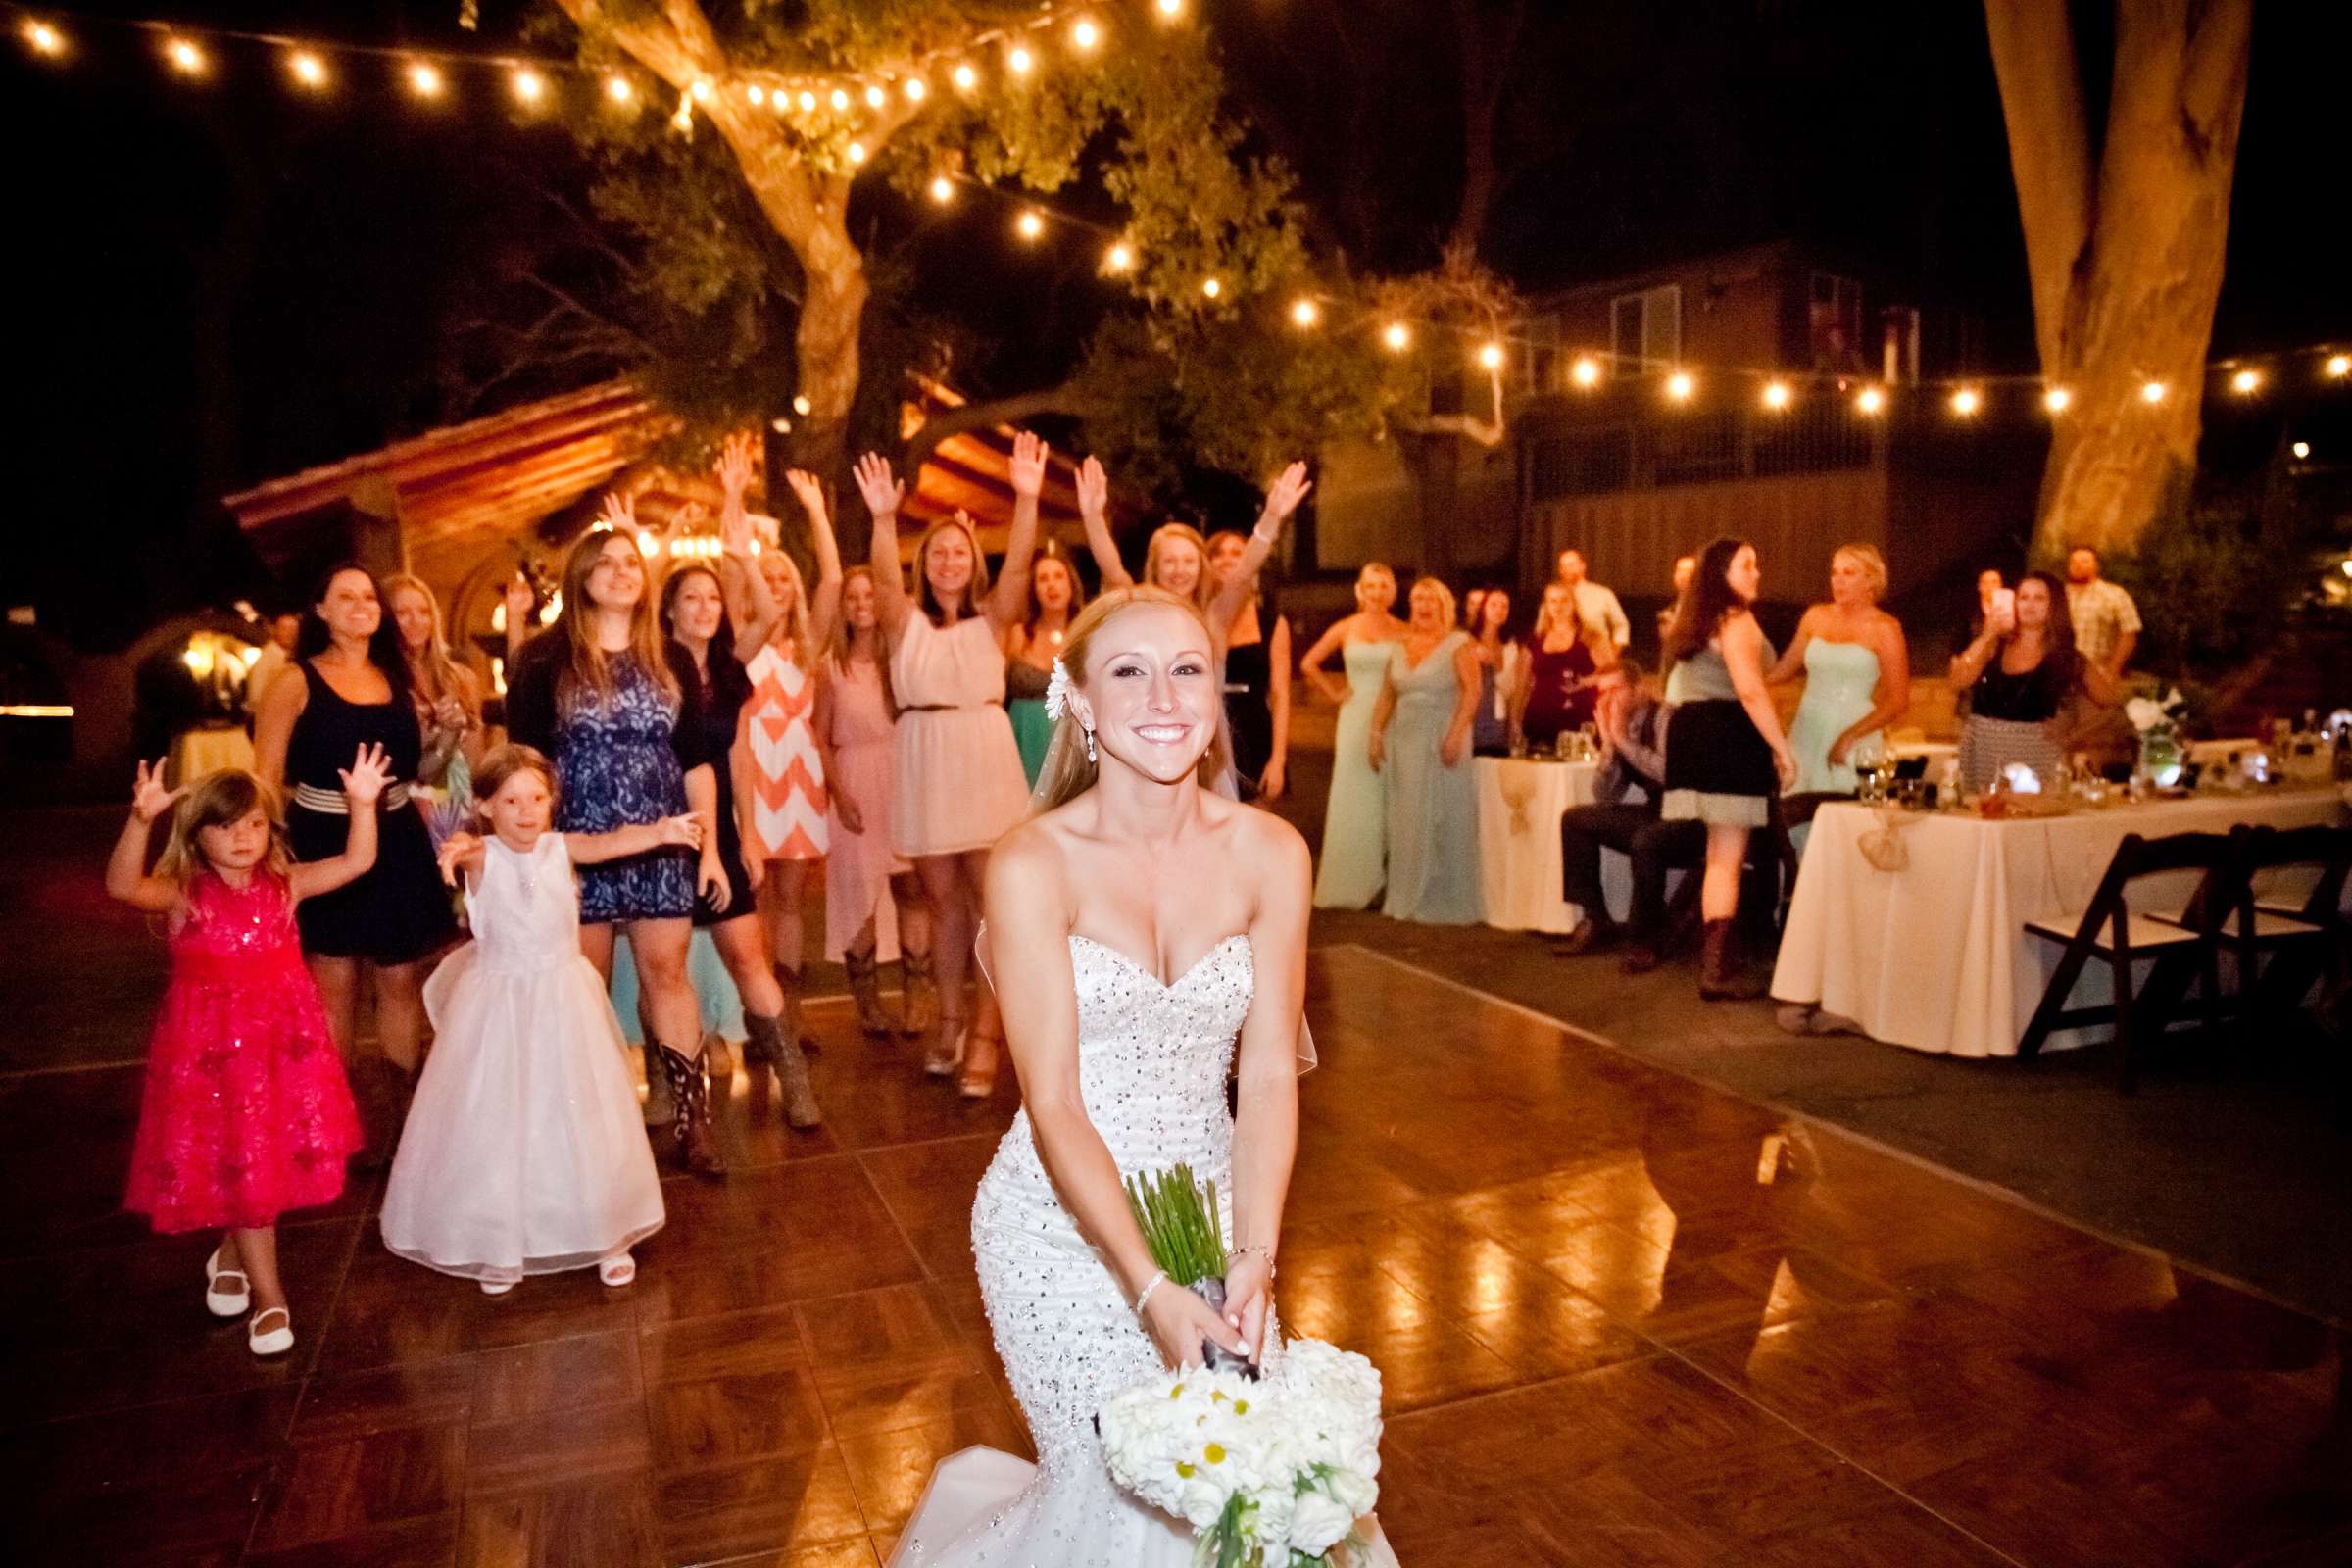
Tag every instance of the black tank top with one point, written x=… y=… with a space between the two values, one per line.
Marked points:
x=331 y=732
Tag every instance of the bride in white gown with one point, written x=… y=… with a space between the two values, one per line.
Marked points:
x=1141 y=930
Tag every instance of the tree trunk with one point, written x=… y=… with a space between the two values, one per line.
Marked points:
x=2126 y=265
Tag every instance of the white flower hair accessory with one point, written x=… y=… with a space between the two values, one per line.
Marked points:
x=1057 y=691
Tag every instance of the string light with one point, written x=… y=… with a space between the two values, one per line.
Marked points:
x=1305 y=312
x=1777 y=395
x=1680 y=385
x=757 y=94
x=44 y=39
x=800 y=404
x=915 y=88
x=1491 y=356
x=1211 y=287
x=529 y=85
x=425 y=79
x=841 y=99
x=185 y=57
x=2302 y=449
x=1029 y=226
x=1397 y=336
x=1085 y=35
x=2152 y=392
x=966 y=79
x=856 y=152
x=2056 y=399
x=2339 y=366
x=2245 y=381
x=618 y=90
x=807 y=102
x=1171 y=8
x=1585 y=371
x=875 y=97
x=1966 y=402
x=700 y=91
x=307 y=69
x=1019 y=61
x=1870 y=400
x=1118 y=258
x=942 y=189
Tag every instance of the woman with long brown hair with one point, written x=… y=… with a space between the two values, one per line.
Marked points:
x=606 y=696
x=1726 y=756
x=1178 y=559
x=447 y=694
x=1056 y=597
x=2021 y=673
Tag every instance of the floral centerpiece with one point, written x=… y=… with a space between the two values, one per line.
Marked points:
x=1270 y=1472
x=2158 y=720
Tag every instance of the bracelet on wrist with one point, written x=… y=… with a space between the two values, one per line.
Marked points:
x=1150 y=1285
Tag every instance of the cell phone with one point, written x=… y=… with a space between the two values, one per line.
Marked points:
x=2004 y=607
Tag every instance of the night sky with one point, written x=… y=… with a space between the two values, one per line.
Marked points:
x=219 y=284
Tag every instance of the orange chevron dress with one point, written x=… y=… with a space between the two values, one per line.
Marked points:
x=783 y=774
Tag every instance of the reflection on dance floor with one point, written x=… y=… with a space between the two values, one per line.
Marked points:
x=1622 y=1318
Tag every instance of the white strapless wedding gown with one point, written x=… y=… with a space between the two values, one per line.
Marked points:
x=1153 y=1061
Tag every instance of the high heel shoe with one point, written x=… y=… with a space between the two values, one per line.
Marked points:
x=920 y=1014
x=981 y=1053
x=271 y=1342
x=941 y=1059
x=226 y=1303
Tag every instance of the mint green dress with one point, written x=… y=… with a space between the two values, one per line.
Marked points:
x=1841 y=682
x=1433 y=809
x=1355 y=819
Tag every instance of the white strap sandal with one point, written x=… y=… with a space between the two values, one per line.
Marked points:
x=269 y=1341
x=498 y=1287
x=222 y=1299
x=618 y=1270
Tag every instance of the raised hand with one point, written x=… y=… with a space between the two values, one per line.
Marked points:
x=682 y=521
x=1028 y=465
x=1283 y=497
x=880 y=487
x=149 y=798
x=618 y=512
x=736 y=455
x=459 y=848
x=806 y=491
x=520 y=600
x=364 y=779
x=1094 y=489
x=679 y=832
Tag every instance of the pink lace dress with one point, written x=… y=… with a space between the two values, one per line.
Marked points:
x=246 y=1113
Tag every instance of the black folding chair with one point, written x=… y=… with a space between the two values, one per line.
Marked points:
x=2297 y=939
x=2109 y=930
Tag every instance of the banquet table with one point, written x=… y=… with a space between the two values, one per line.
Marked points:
x=207 y=748
x=1520 y=803
x=1934 y=955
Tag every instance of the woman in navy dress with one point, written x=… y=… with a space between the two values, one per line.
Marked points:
x=611 y=701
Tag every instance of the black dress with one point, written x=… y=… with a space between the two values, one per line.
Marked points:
x=714 y=705
x=1248 y=704
x=399 y=911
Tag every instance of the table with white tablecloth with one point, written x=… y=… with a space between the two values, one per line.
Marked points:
x=1934 y=953
x=1520 y=803
x=209 y=749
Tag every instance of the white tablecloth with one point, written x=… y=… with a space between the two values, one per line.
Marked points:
x=196 y=753
x=1936 y=955
x=1520 y=803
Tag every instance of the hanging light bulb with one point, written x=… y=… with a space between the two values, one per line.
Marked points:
x=757 y=94
x=1029 y=226
x=618 y=90
x=44 y=39
x=1118 y=258
x=856 y=152
x=1212 y=288
x=966 y=79
x=1171 y=8
x=1305 y=312
x=307 y=69
x=2056 y=399
x=914 y=88
x=841 y=99
x=1777 y=395
x=2245 y=381
x=1967 y=401
x=807 y=102
x=425 y=79
x=1397 y=336
x=1870 y=400
x=530 y=86
x=2339 y=366
x=1019 y=61
x=1585 y=371
x=800 y=404
x=1680 y=386
x=185 y=57
x=1491 y=356
x=1085 y=35
x=875 y=97
x=2152 y=392
x=2301 y=448
x=942 y=189
x=700 y=91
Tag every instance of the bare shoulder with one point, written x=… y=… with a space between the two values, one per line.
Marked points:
x=1269 y=844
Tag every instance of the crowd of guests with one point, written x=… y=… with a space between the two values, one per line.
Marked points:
x=633 y=855
x=1691 y=769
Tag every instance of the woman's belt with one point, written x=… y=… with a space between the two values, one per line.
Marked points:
x=332 y=803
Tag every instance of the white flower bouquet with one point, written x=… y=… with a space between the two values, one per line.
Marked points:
x=1270 y=1473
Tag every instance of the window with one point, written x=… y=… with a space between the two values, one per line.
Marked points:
x=1833 y=323
x=1645 y=330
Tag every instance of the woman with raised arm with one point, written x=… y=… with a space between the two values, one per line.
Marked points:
x=606 y=696
x=958 y=785
x=1355 y=820
x=382 y=926
x=1147 y=935
x=780 y=786
x=1726 y=756
x=1257 y=677
x=1056 y=597
x=2021 y=672
x=1178 y=558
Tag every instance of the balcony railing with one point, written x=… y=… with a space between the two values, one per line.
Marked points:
x=1705 y=446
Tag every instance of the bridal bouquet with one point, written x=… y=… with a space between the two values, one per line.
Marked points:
x=1270 y=1473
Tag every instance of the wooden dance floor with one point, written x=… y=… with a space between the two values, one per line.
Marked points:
x=1623 y=1319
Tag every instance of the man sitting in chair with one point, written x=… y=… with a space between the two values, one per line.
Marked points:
x=1633 y=758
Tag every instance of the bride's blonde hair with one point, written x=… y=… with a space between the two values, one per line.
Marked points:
x=1068 y=772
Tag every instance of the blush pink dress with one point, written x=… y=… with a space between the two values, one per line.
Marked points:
x=959 y=783
x=858 y=866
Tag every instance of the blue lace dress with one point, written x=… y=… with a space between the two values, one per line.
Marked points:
x=621 y=757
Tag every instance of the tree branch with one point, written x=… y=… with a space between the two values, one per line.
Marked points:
x=2050 y=156
x=1066 y=397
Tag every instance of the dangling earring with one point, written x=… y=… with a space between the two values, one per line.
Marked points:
x=1090 y=743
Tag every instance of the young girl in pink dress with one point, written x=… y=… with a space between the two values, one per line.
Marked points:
x=246 y=1113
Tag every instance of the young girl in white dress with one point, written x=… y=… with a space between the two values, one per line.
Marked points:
x=523 y=1152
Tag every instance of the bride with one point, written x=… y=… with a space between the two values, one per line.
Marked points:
x=1141 y=930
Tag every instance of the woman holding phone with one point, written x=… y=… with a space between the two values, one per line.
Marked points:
x=2020 y=673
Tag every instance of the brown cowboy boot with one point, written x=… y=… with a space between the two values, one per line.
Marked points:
x=865 y=985
x=690 y=1091
x=922 y=1013
x=1720 y=976
x=783 y=1056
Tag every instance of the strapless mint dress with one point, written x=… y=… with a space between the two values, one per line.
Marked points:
x=1841 y=679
